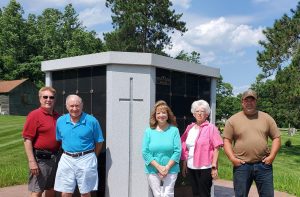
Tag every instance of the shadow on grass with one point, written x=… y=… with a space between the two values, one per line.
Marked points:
x=294 y=150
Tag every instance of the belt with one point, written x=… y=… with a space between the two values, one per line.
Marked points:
x=79 y=153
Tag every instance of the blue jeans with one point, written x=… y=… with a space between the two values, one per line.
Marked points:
x=244 y=175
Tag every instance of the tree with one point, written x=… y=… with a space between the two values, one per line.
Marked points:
x=52 y=35
x=227 y=103
x=281 y=44
x=78 y=41
x=281 y=55
x=281 y=97
x=63 y=35
x=12 y=39
x=194 y=57
x=142 y=25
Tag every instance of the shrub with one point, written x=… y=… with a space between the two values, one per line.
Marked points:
x=288 y=143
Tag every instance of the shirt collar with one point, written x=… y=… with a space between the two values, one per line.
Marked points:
x=205 y=123
x=82 y=119
x=54 y=113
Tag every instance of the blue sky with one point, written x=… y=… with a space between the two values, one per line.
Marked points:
x=225 y=32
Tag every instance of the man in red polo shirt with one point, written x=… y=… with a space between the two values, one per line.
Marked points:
x=41 y=146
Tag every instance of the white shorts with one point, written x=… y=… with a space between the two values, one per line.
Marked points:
x=77 y=170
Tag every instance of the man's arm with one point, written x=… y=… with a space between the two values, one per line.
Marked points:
x=229 y=152
x=98 y=147
x=274 y=150
x=30 y=156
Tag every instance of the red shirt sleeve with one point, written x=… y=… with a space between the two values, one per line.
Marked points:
x=30 y=126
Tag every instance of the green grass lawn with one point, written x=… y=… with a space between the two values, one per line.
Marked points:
x=285 y=167
x=13 y=162
x=14 y=168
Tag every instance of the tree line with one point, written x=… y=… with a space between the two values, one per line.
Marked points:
x=147 y=26
x=278 y=85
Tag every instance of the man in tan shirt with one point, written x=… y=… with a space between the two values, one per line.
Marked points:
x=246 y=136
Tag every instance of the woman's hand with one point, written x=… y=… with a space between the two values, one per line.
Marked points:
x=214 y=172
x=162 y=170
x=184 y=168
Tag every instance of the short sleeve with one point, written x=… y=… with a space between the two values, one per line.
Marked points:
x=98 y=136
x=274 y=131
x=228 y=130
x=216 y=137
x=58 y=134
x=30 y=126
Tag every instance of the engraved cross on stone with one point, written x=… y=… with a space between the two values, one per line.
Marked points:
x=131 y=100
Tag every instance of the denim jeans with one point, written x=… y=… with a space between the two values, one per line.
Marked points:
x=244 y=175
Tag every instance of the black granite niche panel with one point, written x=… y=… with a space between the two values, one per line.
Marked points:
x=90 y=84
x=180 y=90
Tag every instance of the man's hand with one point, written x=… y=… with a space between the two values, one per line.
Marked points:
x=34 y=168
x=237 y=162
x=268 y=160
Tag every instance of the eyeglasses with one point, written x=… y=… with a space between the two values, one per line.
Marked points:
x=200 y=112
x=50 y=97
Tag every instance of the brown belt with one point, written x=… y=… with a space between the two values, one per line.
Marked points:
x=79 y=153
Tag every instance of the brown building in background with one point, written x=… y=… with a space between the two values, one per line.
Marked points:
x=18 y=97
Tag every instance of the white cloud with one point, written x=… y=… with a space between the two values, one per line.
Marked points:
x=182 y=3
x=38 y=5
x=179 y=44
x=57 y=3
x=206 y=57
x=210 y=33
x=95 y=16
x=219 y=42
x=240 y=89
x=223 y=35
x=244 y=36
x=88 y=2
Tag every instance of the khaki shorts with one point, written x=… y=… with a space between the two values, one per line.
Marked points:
x=46 y=177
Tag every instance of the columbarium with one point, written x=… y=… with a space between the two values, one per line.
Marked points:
x=119 y=89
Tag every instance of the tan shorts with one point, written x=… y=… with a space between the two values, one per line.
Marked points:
x=46 y=177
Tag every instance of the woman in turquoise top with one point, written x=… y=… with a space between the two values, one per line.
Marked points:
x=162 y=150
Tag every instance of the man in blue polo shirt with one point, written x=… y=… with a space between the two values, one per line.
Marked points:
x=82 y=139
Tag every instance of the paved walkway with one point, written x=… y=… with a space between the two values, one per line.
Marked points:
x=223 y=188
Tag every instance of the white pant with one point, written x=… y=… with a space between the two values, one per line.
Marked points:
x=167 y=190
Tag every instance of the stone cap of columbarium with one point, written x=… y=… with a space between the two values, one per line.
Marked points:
x=129 y=58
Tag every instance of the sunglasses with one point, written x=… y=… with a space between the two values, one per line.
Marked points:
x=50 y=97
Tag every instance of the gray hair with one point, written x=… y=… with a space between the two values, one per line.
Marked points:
x=200 y=103
x=73 y=96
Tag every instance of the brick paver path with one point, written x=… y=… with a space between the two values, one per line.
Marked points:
x=223 y=188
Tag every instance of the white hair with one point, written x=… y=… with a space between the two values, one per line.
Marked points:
x=200 y=103
x=73 y=96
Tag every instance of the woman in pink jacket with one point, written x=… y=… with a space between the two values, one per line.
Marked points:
x=200 y=149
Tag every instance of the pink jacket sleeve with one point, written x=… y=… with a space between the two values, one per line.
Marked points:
x=216 y=138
